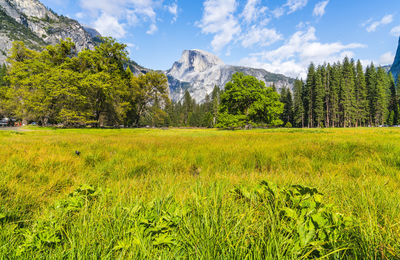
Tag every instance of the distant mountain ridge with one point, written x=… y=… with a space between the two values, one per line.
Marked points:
x=37 y=26
x=199 y=72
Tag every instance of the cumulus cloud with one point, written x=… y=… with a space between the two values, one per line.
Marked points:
x=298 y=52
x=218 y=19
x=319 y=9
x=371 y=25
x=295 y=5
x=278 y=12
x=260 y=36
x=289 y=7
x=252 y=11
x=111 y=17
x=395 y=31
x=109 y=25
x=153 y=28
x=248 y=26
x=173 y=9
x=386 y=58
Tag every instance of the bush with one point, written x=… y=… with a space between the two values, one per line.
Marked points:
x=229 y=121
x=288 y=125
x=313 y=229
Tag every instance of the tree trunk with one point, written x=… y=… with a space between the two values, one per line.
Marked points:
x=102 y=119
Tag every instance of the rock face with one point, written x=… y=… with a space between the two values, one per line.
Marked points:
x=31 y=22
x=199 y=72
x=395 y=69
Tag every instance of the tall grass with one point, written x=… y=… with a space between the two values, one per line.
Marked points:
x=169 y=193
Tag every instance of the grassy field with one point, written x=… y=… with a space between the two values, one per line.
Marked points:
x=209 y=194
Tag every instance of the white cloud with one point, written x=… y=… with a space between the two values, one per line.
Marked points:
x=278 y=12
x=386 y=58
x=109 y=25
x=79 y=15
x=120 y=13
x=319 y=9
x=230 y=25
x=260 y=36
x=302 y=25
x=371 y=25
x=173 y=9
x=153 y=28
x=291 y=6
x=298 y=52
x=295 y=5
x=395 y=31
x=252 y=11
x=218 y=19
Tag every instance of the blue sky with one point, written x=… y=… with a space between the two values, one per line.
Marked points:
x=281 y=36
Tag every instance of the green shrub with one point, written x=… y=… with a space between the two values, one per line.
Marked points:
x=229 y=121
x=288 y=125
x=312 y=228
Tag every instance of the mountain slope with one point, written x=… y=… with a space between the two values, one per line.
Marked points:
x=31 y=22
x=199 y=72
x=395 y=69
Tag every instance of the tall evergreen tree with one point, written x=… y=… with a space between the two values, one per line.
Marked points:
x=327 y=89
x=370 y=77
x=298 y=107
x=347 y=97
x=187 y=106
x=381 y=106
x=309 y=95
x=319 y=94
x=393 y=102
x=361 y=96
x=334 y=82
x=287 y=100
x=216 y=100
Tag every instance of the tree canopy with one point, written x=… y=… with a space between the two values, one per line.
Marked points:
x=247 y=101
x=93 y=87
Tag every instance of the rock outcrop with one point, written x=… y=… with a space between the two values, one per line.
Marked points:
x=395 y=69
x=37 y=26
x=199 y=72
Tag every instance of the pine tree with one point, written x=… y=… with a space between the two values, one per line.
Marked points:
x=286 y=99
x=215 y=99
x=334 y=82
x=319 y=94
x=187 y=107
x=298 y=108
x=361 y=96
x=347 y=97
x=282 y=99
x=327 y=89
x=393 y=102
x=381 y=106
x=370 y=77
x=309 y=95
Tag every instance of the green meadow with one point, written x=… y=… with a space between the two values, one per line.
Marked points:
x=196 y=193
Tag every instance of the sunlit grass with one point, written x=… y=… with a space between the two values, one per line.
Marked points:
x=357 y=170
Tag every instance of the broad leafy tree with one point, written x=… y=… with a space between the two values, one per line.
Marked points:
x=248 y=101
